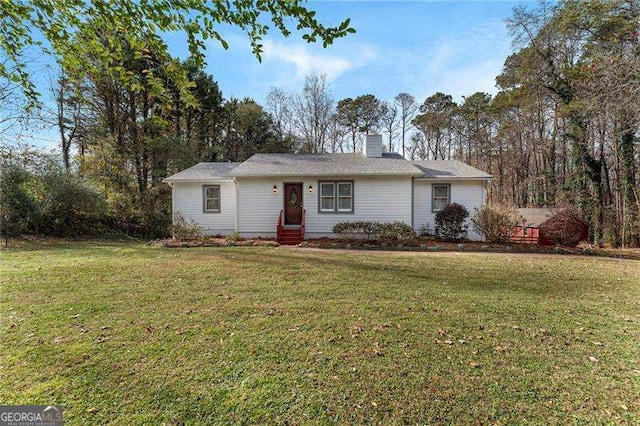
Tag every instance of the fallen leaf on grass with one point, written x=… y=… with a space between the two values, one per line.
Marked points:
x=474 y=364
x=593 y=359
x=448 y=342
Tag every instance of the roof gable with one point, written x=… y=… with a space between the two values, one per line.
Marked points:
x=534 y=217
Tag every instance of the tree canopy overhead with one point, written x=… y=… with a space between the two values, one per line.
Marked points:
x=53 y=25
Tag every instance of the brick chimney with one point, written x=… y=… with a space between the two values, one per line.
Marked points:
x=372 y=147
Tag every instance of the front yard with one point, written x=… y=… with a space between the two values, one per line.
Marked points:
x=124 y=333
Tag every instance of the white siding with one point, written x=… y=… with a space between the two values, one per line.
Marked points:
x=187 y=199
x=468 y=193
x=383 y=199
x=259 y=206
x=375 y=199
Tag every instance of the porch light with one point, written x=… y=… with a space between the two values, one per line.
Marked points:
x=275 y=188
x=310 y=188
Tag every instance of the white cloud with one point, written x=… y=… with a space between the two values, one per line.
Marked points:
x=465 y=81
x=458 y=64
x=307 y=59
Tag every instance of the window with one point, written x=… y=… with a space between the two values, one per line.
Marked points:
x=327 y=196
x=335 y=197
x=211 y=198
x=441 y=196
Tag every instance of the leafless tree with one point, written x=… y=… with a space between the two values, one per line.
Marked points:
x=312 y=113
x=407 y=109
x=390 y=123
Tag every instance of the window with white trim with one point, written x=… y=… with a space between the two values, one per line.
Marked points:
x=440 y=196
x=211 y=198
x=335 y=197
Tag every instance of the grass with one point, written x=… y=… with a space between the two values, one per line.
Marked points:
x=124 y=333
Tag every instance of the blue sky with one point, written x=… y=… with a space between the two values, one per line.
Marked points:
x=419 y=47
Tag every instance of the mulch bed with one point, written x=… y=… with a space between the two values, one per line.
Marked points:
x=419 y=244
x=432 y=244
x=215 y=242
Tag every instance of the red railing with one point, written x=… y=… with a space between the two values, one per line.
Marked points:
x=525 y=235
x=279 y=227
x=304 y=214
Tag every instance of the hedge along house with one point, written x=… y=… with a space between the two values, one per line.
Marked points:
x=291 y=197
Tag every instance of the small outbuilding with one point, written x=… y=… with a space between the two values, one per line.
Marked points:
x=549 y=226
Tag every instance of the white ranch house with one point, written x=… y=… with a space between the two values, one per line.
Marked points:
x=295 y=196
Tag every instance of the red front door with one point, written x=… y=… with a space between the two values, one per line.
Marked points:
x=292 y=203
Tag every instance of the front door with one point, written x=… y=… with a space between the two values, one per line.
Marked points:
x=292 y=203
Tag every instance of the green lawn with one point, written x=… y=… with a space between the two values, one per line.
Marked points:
x=123 y=333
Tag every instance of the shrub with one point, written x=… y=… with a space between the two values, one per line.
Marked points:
x=234 y=236
x=356 y=230
x=394 y=232
x=389 y=232
x=70 y=206
x=495 y=222
x=183 y=230
x=45 y=198
x=19 y=210
x=565 y=228
x=450 y=224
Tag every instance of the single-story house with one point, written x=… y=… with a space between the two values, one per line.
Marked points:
x=536 y=223
x=295 y=196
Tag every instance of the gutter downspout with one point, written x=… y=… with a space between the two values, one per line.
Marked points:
x=173 y=203
x=413 y=185
x=237 y=201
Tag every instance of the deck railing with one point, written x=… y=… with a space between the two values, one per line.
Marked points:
x=304 y=214
x=279 y=227
x=526 y=235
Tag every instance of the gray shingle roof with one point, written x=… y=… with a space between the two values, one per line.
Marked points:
x=450 y=169
x=535 y=217
x=351 y=164
x=203 y=172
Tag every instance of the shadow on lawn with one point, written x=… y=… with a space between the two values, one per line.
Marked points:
x=65 y=244
x=452 y=272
